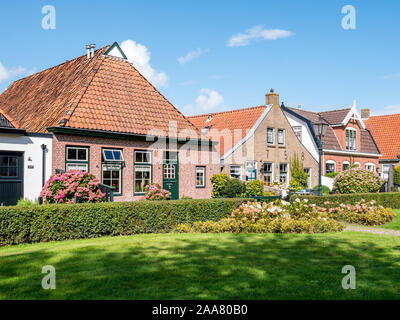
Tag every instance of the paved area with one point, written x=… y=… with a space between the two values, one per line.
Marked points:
x=376 y=230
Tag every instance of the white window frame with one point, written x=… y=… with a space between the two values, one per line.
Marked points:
x=273 y=136
x=345 y=163
x=349 y=146
x=143 y=152
x=385 y=173
x=114 y=160
x=235 y=166
x=309 y=175
x=74 y=164
x=117 y=167
x=298 y=131
x=201 y=170
x=370 y=164
x=269 y=174
x=330 y=162
x=284 y=172
x=78 y=148
x=252 y=167
x=140 y=166
x=283 y=135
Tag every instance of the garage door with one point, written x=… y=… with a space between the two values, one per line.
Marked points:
x=11 y=177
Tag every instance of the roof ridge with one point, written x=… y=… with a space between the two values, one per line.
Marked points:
x=58 y=65
x=348 y=108
x=384 y=115
x=228 y=111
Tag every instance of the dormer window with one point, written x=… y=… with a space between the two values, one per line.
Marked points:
x=351 y=139
x=205 y=129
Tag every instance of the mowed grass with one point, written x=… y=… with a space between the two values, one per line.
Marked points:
x=206 y=266
x=395 y=224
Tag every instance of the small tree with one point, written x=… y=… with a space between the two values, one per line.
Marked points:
x=218 y=182
x=396 y=179
x=233 y=188
x=299 y=178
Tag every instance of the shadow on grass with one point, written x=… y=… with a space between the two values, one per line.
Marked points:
x=208 y=267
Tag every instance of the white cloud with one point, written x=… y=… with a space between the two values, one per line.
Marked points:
x=257 y=33
x=192 y=55
x=208 y=101
x=139 y=56
x=391 y=109
x=6 y=74
x=391 y=76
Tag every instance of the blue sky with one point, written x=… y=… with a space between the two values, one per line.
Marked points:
x=208 y=56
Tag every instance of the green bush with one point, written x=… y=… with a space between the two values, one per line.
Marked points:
x=218 y=182
x=278 y=217
x=325 y=189
x=26 y=202
x=233 y=188
x=385 y=199
x=331 y=174
x=88 y=220
x=254 y=188
x=357 y=181
x=397 y=176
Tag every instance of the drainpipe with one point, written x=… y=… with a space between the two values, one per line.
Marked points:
x=320 y=171
x=43 y=164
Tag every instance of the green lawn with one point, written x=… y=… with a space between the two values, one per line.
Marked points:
x=205 y=266
x=395 y=224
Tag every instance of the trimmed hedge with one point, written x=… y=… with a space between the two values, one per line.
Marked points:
x=89 y=220
x=385 y=199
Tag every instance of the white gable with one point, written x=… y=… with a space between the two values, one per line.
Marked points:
x=114 y=52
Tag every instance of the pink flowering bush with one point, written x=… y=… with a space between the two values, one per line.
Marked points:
x=63 y=188
x=276 y=217
x=155 y=192
x=357 y=180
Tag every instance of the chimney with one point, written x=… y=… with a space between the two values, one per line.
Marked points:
x=88 y=51
x=365 y=114
x=92 y=46
x=272 y=98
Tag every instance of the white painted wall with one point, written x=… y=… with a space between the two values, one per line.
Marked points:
x=307 y=139
x=326 y=181
x=31 y=146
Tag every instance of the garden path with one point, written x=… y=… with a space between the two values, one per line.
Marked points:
x=390 y=232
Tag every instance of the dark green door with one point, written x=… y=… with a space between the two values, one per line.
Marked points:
x=171 y=174
x=11 y=177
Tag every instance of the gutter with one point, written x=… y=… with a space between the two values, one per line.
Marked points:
x=362 y=154
x=122 y=135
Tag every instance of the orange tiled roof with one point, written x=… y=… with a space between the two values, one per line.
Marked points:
x=386 y=132
x=103 y=93
x=240 y=120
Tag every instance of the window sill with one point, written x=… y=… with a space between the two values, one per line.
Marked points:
x=200 y=187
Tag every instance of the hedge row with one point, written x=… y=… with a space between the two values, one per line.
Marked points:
x=386 y=199
x=62 y=222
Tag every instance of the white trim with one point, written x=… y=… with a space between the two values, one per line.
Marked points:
x=250 y=134
x=236 y=165
x=349 y=152
x=370 y=164
x=331 y=162
x=353 y=111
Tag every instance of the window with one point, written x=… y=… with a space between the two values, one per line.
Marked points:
x=169 y=171
x=351 y=139
x=143 y=170
x=281 y=137
x=357 y=165
x=112 y=155
x=77 y=158
x=200 y=177
x=330 y=166
x=251 y=170
x=267 y=172
x=111 y=174
x=370 y=167
x=385 y=171
x=283 y=173
x=298 y=131
x=270 y=135
x=346 y=165
x=236 y=171
x=8 y=166
x=308 y=171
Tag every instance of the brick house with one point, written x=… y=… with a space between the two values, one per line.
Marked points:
x=347 y=141
x=386 y=132
x=104 y=117
x=258 y=142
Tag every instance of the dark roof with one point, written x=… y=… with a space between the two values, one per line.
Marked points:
x=4 y=122
x=335 y=117
x=104 y=93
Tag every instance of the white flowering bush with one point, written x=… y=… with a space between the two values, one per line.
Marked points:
x=277 y=217
x=357 y=180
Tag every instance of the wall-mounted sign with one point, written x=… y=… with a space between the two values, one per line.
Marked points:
x=31 y=166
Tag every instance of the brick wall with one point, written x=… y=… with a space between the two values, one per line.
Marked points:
x=340 y=159
x=189 y=156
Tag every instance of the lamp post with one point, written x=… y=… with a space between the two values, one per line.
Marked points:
x=320 y=128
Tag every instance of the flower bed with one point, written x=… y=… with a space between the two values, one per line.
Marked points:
x=279 y=217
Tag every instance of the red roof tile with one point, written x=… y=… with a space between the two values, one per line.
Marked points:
x=386 y=132
x=240 y=120
x=103 y=93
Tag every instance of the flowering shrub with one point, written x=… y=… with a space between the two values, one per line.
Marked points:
x=155 y=192
x=357 y=181
x=277 y=217
x=63 y=188
x=363 y=212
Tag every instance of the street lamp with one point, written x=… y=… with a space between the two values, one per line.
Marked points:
x=320 y=128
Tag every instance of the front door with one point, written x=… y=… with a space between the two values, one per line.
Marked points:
x=171 y=174
x=11 y=177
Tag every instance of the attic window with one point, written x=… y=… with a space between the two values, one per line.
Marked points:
x=205 y=129
x=113 y=155
x=209 y=117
